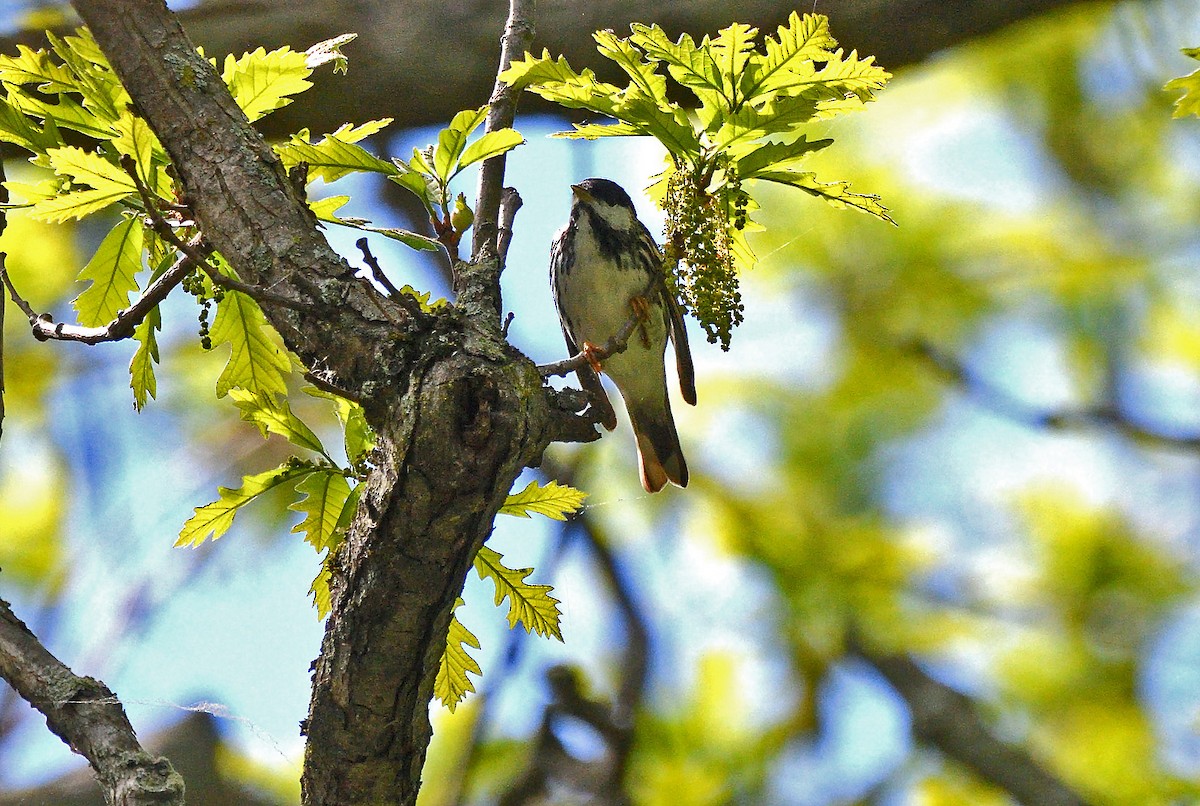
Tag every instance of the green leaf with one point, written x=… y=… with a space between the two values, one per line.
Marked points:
x=325 y=494
x=554 y=501
x=141 y=368
x=452 y=683
x=331 y=158
x=453 y=139
x=530 y=605
x=593 y=131
x=95 y=80
x=352 y=134
x=492 y=144
x=18 y=129
x=554 y=80
x=672 y=129
x=777 y=156
x=835 y=193
x=75 y=204
x=421 y=185
x=256 y=363
x=111 y=272
x=89 y=168
x=804 y=40
x=262 y=82
x=136 y=139
x=1189 y=102
x=67 y=113
x=273 y=415
x=731 y=50
x=325 y=208
x=322 y=596
x=217 y=517
x=359 y=437
x=644 y=75
x=38 y=68
x=691 y=66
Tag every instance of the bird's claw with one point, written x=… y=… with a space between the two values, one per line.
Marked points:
x=594 y=355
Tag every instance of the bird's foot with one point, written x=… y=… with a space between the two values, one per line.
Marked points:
x=641 y=309
x=594 y=355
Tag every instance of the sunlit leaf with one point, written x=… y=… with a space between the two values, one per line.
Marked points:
x=262 y=82
x=555 y=501
x=530 y=605
x=256 y=362
x=452 y=683
x=111 y=272
x=325 y=493
x=216 y=518
x=141 y=367
x=273 y=415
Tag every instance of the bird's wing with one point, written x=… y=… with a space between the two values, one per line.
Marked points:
x=677 y=331
x=683 y=353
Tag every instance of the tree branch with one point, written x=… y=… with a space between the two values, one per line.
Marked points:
x=85 y=714
x=948 y=720
x=121 y=327
x=1006 y=405
x=483 y=280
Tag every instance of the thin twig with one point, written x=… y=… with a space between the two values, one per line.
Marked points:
x=376 y=271
x=121 y=327
x=618 y=343
x=197 y=251
x=502 y=108
x=510 y=203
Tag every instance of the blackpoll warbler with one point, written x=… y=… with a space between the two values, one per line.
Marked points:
x=601 y=267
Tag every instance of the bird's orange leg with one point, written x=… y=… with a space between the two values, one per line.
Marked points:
x=594 y=355
x=641 y=309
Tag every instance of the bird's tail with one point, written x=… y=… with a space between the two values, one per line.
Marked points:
x=660 y=458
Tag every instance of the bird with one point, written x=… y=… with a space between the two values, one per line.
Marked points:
x=602 y=264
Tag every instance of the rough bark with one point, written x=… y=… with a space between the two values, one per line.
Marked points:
x=458 y=412
x=85 y=714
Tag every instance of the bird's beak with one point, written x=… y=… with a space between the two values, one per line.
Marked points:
x=581 y=194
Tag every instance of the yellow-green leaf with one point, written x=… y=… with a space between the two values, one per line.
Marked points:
x=141 y=367
x=331 y=158
x=256 y=362
x=75 y=204
x=217 y=517
x=490 y=145
x=452 y=683
x=530 y=605
x=89 y=168
x=325 y=493
x=262 y=82
x=273 y=415
x=111 y=272
x=554 y=501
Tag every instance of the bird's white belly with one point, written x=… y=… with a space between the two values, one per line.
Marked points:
x=639 y=371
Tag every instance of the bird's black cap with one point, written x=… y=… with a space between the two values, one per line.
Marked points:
x=604 y=190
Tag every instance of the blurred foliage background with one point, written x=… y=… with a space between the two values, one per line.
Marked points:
x=942 y=531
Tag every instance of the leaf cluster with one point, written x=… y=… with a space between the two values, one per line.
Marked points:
x=751 y=106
